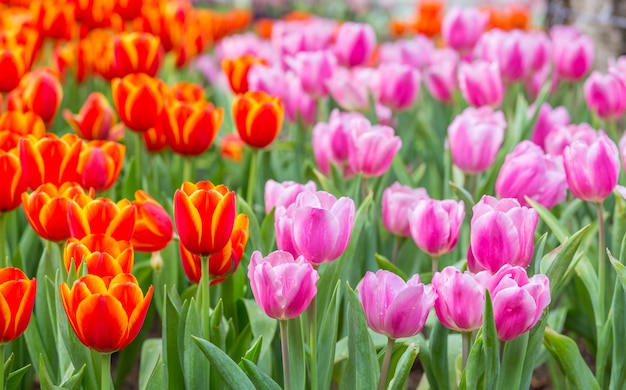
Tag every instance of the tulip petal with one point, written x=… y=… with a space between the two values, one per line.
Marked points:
x=315 y=233
x=103 y=322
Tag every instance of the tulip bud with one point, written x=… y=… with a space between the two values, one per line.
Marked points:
x=605 y=95
x=547 y=119
x=284 y=194
x=398 y=204
x=354 y=43
x=481 y=83
x=572 y=52
x=435 y=225
x=461 y=27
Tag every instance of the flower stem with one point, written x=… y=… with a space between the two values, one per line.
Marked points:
x=397 y=241
x=252 y=177
x=466 y=338
x=105 y=371
x=2 y=347
x=284 y=341
x=601 y=265
x=384 y=370
x=205 y=298
x=139 y=158
x=312 y=312
x=435 y=264
x=188 y=174
x=4 y=261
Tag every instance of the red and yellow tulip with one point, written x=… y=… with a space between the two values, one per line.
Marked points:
x=103 y=255
x=17 y=298
x=258 y=117
x=153 y=225
x=138 y=99
x=190 y=128
x=100 y=164
x=50 y=159
x=102 y=216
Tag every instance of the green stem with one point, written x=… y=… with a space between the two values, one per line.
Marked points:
x=435 y=264
x=466 y=338
x=2 y=347
x=384 y=370
x=139 y=157
x=397 y=241
x=284 y=343
x=312 y=312
x=105 y=371
x=60 y=249
x=4 y=261
x=188 y=169
x=252 y=177
x=205 y=298
x=611 y=128
x=364 y=187
x=601 y=265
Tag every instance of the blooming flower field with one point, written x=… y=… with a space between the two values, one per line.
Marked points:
x=198 y=198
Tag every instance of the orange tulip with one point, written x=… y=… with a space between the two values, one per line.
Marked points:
x=100 y=164
x=49 y=159
x=236 y=71
x=53 y=19
x=204 y=215
x=15 y=124
x=190 y=128
x=46 y=209
x=12 y=68
x=106 y=315
x=128 y=9
x=223 y=263
x=187 y=92
x=103 y=255
x=17 y=298
x=138 y=99
x=231 y=147
x=102 y=216
x=154 y=138
x=136 y=53
x=153 y=225
x=12 y=183
x=93 y=13
x=258 y=117
x=95 y=120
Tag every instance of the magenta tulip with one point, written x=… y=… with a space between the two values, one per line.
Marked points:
x=394 y=307
x=355 y=43
x=350 y=88
x=440 y=77
x=605 y=95
x=435 y=225
x=527 y=171
x=461 y=27
x=285 y=193
x=514 y=59
x=398 y=204
x=518 y=301
x=298 y=104
x=560 y=137
x=474 y=138
x=283 y=226
x=414 y=52
x=501 y=232
x=282 y=286
x=268 y=79
x=371 y=149
x=460 y=298
x=572 y=53
x=481 y=83
x=314 y=69
x=547 y=119
x=592 y=168
x=396 y=85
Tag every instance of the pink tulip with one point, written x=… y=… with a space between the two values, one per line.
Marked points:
x=394 y=307
x=396 y=85
x=322 y=225
x=618 y=67
x=314 y=69
x=460 y=298
x=514 y=59
x=235 y=46
x=518 y=301
x=562 y=136
x=355 y=43
x=268 y=79
x=538 y=48
x=441 y=74
x=414 y=52
x=298 y=104
x=501 y=232
x=292 y=37
x=435 y=225
x=592 y=168
x=285 y=193
x=282 y=286
x=547 y=119
x=371 y=149
x=350 y=87
x=622 y=149
x=527 y=171
x=398 y=204
x=572 y=53
x=283 y=226
x=461 y=27
x=481 y=83
x=605 y=95
x=475 y=137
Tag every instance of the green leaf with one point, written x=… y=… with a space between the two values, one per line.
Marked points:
x=254 y=351
x=534 y=347
x=238 y=347
x=535 y=264
x=467 y=198
x=171 y=327
x=438 y=343
x=328 y=335
x=619 y=268
x=15 y=378
x=399 y=169
x=491 y=346
x=618 y=313
x=475 y=367
x=150 y=363
x=74 y=382
x=565 y=351
x=232 y=375
x=195 y=367
x=261 y=380
x=326 y=184
x=403 y=368
x=511 y=369
x=268 y=233
x=363 y=368
x=385 y=264
x=564 y=260
x=263 y=327
x=553 y=223
x=253 y=228
x=297 y=358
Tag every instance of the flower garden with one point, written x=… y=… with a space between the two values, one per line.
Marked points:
x=210 y=197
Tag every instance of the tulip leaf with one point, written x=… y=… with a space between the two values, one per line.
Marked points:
x=491 y=346
x=232 y=375
x=297 y=358
x=535 y=264
x=254 y=228
x=44 y=377
x=530 y=123
x=618 y=310
x=237 y=348
x=328 y=336
x=403 y=368
x=263 y=327
x=15 y=378
x=254 y=352
x=151 y=375
x=268 y=233
x=535 y=339
x=326 y=184
x=565 y=351
x=565 y=259
x=438 y=343
x=75 y=381
x=399 y=169
x=467 y=198
x=619 y=268
x=559 y=230
x=384 y=263
x=511 y=370
x=474 y=369
x=363 y=368
x=195 y=367
x=171 y=327
x=261 y=380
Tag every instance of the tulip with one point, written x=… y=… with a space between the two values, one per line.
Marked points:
x=396 y=85
x=371 y=149
x=354 y=43
x=258 y=118
x=138 y=100
x=313 y=34
x=204 y=215
x=282 y=286
x=46 y=209
x=547 y=119
x=12 y=183
x=95 y=120
x=460 y=298
x=41 y=93
x=475 y=137
x=481 y=83
x=128 y=9
x=94 y=13
x=605 y=95
x=560 y=137
x=103 y=255
x=50 y=159
x=15 y=125
x=461 y=27
x=298 y=104
x=528 y=172
x=539 y=48
x=100 y=164
x=284 y=194
x=237 y=69
x=154 y=138
x=513 y=57
x=190 y=128
x=106 y=315
x=102 y=216
x=394 y=307
x=592 y=168
x=231 y=147
x=223 y=263
x=283 y=226
x=268 y=79
x=398 y=204
x=53 y=20
x=440 y=77
x=435 y=225
x=17 y=298
x=349 y=88
x=416 y=51
x=314 y=69
x=518 y=301
x=153 y=225
x=136 y=53
x=572 y=53
x=187 y=92
x=322 y=225
x=501 y=232
x=618 y=67
x=12 y=67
